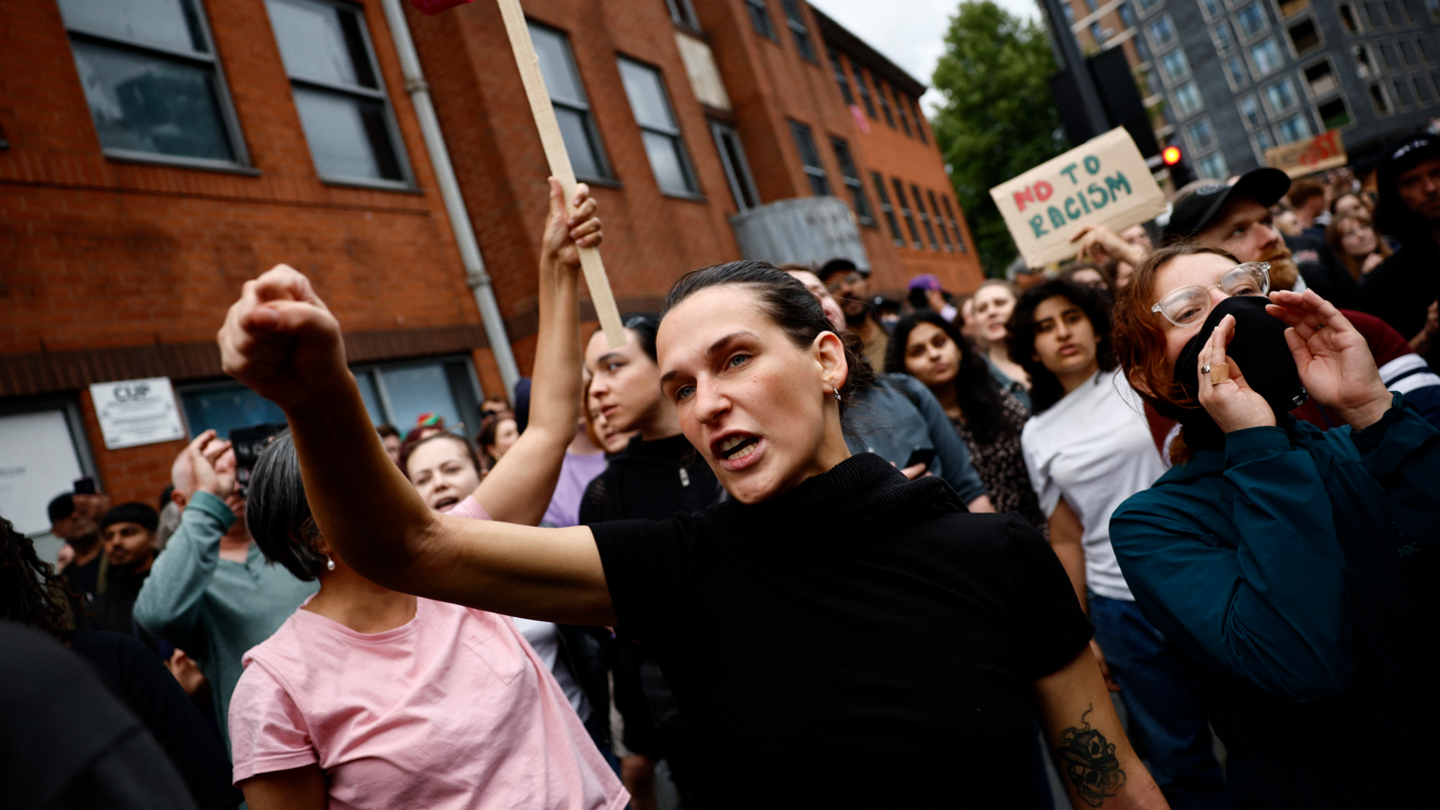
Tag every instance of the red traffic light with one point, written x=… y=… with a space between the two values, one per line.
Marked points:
x=1171 y=155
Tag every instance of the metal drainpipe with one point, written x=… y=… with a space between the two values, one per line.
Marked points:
x=475 y=275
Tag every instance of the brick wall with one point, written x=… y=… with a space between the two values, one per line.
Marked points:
x=97 y=253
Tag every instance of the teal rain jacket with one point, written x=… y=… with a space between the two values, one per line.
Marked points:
x=1299 y=570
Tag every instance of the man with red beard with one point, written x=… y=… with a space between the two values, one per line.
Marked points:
x=1237 y=218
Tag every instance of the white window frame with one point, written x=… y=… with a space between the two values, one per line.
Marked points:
x=1195 y=148
x=1230 y=77
x=1182 y=115
x=1259 y=106
x=1155 y=48
x=1244 y=38
x=1255 y=74
x=1298 y=96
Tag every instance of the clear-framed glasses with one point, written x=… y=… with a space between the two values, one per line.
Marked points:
x=1187 y=306
x=851 y=279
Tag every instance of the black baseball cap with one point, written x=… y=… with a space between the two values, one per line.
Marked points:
x=1392 y=215
x=1194 y=210
x=141 y=513
x=842 y=265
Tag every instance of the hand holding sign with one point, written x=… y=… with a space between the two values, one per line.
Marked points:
x=1103 y=182
x=555 y=153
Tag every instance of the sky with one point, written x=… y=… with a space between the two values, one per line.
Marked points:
x=914 y=39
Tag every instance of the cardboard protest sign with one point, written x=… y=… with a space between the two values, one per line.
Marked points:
x=1325 y=151
x=1103 y=182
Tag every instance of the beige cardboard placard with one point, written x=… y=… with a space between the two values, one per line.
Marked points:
x=1324 y=151
x=1102 y=182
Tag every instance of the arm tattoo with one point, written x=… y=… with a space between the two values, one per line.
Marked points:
x=1090 y=762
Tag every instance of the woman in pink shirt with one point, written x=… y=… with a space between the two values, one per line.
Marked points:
x=368 y=697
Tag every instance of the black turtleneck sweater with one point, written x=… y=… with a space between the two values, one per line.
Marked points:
x=883 y=639
x=651 y=481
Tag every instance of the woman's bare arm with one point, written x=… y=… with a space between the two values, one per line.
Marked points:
x=1066 y=538
x=300 y=788
x=519 y=489
x=282 y=341
x=1088 y=744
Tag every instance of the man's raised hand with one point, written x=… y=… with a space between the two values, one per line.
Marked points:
x=281 y=340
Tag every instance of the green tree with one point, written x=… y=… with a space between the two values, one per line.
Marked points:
x=997 y=118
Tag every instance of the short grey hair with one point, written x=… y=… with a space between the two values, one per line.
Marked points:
x=277 y=513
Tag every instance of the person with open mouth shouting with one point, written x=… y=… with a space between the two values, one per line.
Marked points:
x=890 y=648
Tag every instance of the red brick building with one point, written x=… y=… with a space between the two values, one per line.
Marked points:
x=151 y=160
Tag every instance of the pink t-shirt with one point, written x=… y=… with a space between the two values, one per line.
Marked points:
x=468 y=508
x=450 y=710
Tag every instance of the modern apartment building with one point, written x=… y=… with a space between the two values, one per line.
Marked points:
x=154 y=155
x=1232 y=78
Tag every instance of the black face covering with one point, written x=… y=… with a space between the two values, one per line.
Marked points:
x=1258 y=348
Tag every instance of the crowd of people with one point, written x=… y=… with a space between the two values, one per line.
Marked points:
x=792 y=545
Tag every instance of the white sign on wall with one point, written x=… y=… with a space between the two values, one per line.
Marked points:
x=136 y=412
x=38 y=463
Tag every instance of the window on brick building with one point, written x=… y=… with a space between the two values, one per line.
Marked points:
x=394 y=393
x=906 y=213
x=902 y=113
x=338 y=92
x=810 y=159
x=954 y=226
x=795 y=18
x=887 y=209
x=919 y=120
x=850 y=176
x=46 y=449
x=152 y=81
x=760 y=18
x=884 y=96
x=683 y=13
x=737 y=169
x=840 y=78
x=924 y=216
x=940 y=222
x=572 y=105
x=658 y=128
x=862 y=84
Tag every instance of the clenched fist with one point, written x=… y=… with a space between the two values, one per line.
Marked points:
x=281 y=340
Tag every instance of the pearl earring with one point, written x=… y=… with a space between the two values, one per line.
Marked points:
x=329 y=563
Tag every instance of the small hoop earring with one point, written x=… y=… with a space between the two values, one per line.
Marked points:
x=837 y=393
x=329 y=563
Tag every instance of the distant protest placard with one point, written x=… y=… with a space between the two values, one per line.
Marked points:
x=1324 y=151
x=1103 y=182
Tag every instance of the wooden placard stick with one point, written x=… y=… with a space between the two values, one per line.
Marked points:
x=559 y=159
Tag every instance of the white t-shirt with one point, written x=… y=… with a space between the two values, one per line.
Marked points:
x=1094 y=448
